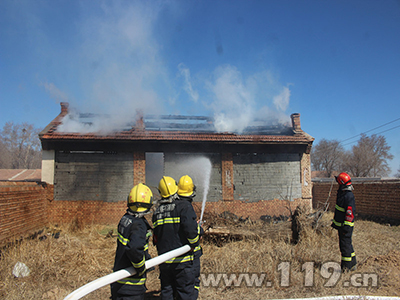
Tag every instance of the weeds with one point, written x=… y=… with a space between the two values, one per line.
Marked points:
x=81 y=254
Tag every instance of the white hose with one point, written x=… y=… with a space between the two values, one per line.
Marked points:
x=110 y=278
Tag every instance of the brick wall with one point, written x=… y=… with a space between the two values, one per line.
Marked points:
x=86 y=212
x=378 y=199
x=27 y=207
x=227 y=176
x=98 y=176
x=305 y=176
x=266 y=176
x=254 y=210
x=139 y=167
x=22 y=209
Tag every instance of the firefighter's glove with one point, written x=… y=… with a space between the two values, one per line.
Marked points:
x=140 y=271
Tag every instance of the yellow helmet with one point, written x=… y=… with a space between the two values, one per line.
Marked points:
x=167 y=187
x=140 y=198
x=186 y=188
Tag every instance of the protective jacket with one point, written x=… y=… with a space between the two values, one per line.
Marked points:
x=345 y=208
x=344 y=222
x=132 y=250
x=175 y=225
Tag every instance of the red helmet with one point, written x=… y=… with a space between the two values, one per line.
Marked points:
x=343 y=179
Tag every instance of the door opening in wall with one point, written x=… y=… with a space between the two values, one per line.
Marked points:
x=154 y=168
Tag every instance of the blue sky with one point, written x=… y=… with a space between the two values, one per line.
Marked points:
x=337 y=63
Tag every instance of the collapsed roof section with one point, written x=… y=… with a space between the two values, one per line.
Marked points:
x=163 y=130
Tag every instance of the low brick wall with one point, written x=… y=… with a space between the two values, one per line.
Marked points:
x=26 y=207
x=98 y=212
x=379 y=199
x=23 y=209
x=86 y=212
x=254 y=210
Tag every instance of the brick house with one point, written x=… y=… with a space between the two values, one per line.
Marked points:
x=254 y=173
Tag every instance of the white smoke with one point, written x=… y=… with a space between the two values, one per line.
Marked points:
x=234 y=104
x=54 y=92
x=185 y=72
x=281 y=101
x=99 y=124
x=233 y=101
x=120 y=66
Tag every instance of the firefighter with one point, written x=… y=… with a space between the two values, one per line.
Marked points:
x=132 y=245
x=175 y=225
x=186 y=192
x=343 y=221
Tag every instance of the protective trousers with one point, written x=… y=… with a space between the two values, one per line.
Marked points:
x=134 y=294
x=346 y=249
x=177 y=281
x=196 y=269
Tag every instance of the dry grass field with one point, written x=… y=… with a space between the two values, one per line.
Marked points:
x=79 y=255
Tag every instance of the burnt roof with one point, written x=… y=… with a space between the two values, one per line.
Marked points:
x=183 y=129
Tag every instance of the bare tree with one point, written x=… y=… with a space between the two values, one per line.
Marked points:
x=369 y=157
x=5 y=156
x=21 y=145
x=398 y=173
x=327 y=156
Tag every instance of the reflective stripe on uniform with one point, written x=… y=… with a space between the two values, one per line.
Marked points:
x=337 y=223
x=351 y=224
x=197 y=287
x=344 y=258
x=133 y=281
x=122 y=239
x=197 y=248
x=340 y=208
x=139 y=264
x=180 y=259
x=167 y=221
x=146 y=247
x=192 y=241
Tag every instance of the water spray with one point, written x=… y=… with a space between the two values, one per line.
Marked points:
x=206 y=183
x=199 y=169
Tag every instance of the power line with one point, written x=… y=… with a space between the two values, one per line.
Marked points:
x=370 y=131
x=375 y=133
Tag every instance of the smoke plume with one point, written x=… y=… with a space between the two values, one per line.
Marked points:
x=121 y=67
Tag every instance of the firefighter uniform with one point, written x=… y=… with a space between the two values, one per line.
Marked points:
x=197 y=253
x=344 y=222
x=132 y=250
x=186 y=192
x=175 y=225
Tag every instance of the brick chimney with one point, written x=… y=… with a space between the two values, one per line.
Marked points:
x=64 y=107
x=296 y=122
x=139 y=120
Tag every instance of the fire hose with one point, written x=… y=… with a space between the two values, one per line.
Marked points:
x=118 y=275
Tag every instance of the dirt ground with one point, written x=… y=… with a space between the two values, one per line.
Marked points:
x=62 y=259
